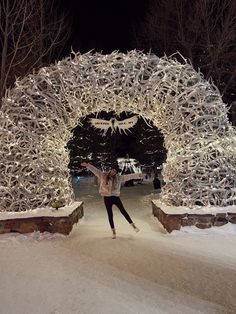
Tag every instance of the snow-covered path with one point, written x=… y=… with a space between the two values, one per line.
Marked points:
x=88 y=272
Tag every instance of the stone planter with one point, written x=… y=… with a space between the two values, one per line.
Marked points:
x=174 y=220
x=48 y=220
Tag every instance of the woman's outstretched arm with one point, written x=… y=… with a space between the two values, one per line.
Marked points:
x=93 y=169
x=132 y=176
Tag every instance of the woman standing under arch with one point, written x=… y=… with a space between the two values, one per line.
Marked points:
x=110 y=184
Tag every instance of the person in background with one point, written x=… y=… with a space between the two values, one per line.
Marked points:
x=110 y=184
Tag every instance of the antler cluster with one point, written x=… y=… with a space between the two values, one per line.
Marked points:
x=39 y=113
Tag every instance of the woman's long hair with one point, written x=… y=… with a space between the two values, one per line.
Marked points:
x=112 y=178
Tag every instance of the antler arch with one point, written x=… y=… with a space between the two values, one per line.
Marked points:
x=39 y=112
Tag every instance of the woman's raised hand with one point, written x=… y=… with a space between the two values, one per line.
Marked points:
x=84 y=164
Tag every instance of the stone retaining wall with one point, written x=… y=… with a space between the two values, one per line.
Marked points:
x=60 y=223
x=175 y=221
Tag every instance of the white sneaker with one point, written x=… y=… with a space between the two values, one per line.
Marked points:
x=136 y=229
x=113 y=233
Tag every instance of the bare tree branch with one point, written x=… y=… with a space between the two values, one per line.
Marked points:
x=32 y=34
x=203 y=31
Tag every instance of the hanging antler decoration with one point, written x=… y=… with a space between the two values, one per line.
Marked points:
x=113 y=124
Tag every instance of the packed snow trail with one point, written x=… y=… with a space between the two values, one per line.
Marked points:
x=147 y=272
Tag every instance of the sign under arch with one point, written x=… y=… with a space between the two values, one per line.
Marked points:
x=38 y=114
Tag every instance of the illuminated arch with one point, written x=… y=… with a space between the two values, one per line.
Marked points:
x=39 y=113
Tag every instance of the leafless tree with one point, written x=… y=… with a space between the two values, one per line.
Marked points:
x=203 y=31
x=32 y=33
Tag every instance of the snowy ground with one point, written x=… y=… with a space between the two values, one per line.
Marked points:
x=149 y=272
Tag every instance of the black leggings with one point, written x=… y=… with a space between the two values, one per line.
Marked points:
x=115 y=200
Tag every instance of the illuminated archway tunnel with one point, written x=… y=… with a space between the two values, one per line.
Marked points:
x=103 y=145
x=39 y=113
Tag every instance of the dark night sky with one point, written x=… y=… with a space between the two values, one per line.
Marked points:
x=103 y=25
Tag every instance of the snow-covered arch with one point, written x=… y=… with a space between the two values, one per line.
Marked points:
x=39 y=112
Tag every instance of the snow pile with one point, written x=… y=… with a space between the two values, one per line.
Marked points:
x=195 y=210
x=41 y=212
x=227 y=229
x=29 y=237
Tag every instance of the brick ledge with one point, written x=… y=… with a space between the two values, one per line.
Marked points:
x=175 y=221
x=58 y=222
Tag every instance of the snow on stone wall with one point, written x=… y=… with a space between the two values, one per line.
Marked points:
x=39 y=113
